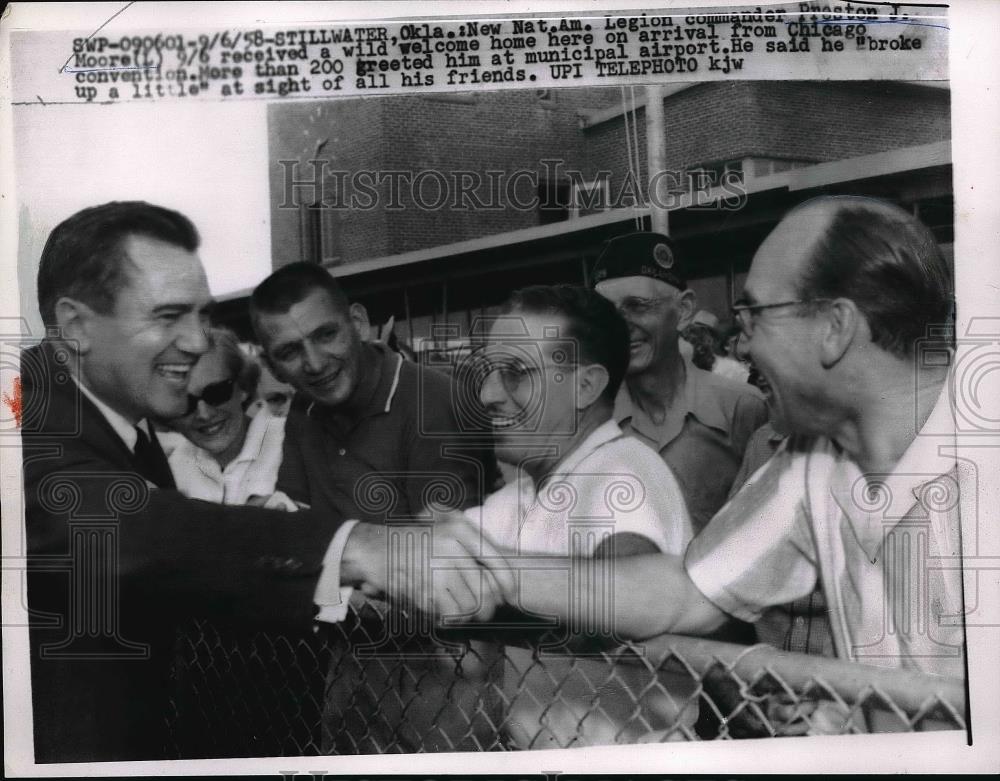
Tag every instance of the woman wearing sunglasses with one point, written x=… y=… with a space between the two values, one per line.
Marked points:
x=226 y=456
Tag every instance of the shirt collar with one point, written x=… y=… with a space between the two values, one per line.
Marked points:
x=696 y=398
x=604 y=433
x=929 y=456
x=253 y=442
x=376 y=392
x=121 y=425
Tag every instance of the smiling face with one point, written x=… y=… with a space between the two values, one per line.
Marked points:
x=315 y=346
x=655 y=312
x=530 y=392
x=217 y=428
x=785 y=342
x=138 y=358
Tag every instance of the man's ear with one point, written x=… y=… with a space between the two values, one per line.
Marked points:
x=359 y=318
x=591 y=380
x=842 y=324
x=687 y=305
x=76 y=321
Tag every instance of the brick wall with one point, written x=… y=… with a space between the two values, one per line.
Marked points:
x=502 y=131
x=354 y=141
x=510 y=131
x=797 y=120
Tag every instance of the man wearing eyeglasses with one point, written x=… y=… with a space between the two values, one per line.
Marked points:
x=549 y=372
x=115 y=555
x=847 y=313
x=699 y=422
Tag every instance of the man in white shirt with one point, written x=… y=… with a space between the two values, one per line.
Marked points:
x=867 y=494
x=552 y=365
x=550 y=370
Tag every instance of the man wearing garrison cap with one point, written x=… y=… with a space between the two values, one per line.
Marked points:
x=699 y=422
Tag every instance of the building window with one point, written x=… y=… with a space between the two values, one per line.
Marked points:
x=553 y=201
x=310 y=231
x=758 y=167
x=320 y=234
x=713 y=174
x=589 y=198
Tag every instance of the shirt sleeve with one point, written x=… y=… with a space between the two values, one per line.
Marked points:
x=332 y=598
x=660 y=514
x=757 y=551
x=627 y=486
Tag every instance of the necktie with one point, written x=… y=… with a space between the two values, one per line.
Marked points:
x=151 y=461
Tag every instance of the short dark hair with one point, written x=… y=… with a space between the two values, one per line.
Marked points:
x=705 y=344
x=84 y=257
x=887 y=262
x=290 y=284
x=598 y=328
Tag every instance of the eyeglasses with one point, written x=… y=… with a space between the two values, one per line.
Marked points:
x=744 y=313
x=514 y=375
x=637 y=307
x=215 y=394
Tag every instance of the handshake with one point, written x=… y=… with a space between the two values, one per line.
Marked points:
x=447 y=569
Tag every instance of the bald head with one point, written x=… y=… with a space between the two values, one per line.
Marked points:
x=873 y=253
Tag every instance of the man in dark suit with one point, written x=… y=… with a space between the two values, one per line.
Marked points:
x=115 y=555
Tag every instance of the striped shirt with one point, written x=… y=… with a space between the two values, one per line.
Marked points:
x=884 y=547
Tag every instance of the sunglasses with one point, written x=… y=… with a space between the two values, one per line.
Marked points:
x=215 y=394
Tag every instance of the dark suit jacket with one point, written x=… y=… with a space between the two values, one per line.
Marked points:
x=113 y=563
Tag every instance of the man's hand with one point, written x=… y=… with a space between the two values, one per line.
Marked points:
x=433 y=568
x=494 y=560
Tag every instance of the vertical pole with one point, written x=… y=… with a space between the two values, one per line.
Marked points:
x=656 y=155
x=409 y=317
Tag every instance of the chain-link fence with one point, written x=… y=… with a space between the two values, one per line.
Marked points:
x=374 y=685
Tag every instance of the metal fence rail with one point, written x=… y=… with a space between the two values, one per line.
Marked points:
x=375 y=685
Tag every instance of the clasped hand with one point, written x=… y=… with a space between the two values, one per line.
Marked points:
x=448 y=569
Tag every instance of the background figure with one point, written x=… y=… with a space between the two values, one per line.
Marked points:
x=697 y=420
x=702 y=341
x=271 y=393
x=709 y=352
x=224 y=455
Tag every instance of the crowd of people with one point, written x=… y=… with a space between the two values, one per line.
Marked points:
x=273 y=484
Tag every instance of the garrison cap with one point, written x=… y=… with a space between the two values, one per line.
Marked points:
x=641 y=254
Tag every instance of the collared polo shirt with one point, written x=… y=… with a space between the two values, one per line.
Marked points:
x=609 y=484
x=396 y=447
x=252 y=473
x=884 y=547
x=702 y=437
